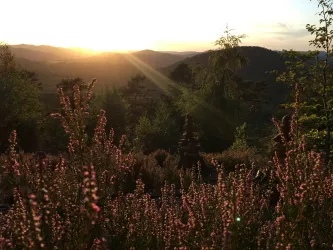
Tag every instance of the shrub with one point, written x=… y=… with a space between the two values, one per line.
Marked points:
x=230 y=158
x=160 y=156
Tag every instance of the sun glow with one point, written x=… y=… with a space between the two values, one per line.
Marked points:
x=106 y=25
x=113 y=45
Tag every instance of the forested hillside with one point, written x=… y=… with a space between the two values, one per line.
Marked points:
x=114 y=69
x=258 y=94
x=260 y=62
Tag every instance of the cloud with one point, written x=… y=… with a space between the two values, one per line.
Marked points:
x=280 y=25
x=281 y=30
x=281 y=35
x=296 y=33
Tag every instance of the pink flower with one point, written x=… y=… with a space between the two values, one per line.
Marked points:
x=313 y=243
x=95 y=207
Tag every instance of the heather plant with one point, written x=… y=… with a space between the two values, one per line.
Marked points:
x=97 y=198
x=42 y=191
x=63 y=211
x=304 y=212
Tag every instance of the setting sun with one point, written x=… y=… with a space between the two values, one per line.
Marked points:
x=115 y=45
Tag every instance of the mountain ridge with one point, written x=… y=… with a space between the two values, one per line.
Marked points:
x=112 y=68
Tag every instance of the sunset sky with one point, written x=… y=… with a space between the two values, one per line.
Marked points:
x=178 y=25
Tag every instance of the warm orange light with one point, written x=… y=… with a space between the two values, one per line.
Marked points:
x=113 y=25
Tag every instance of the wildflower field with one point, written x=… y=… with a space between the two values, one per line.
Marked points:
x=98 y=197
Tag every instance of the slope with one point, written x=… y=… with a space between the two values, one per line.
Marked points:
x=109 y=68
x=49 y=53
x=260 y=62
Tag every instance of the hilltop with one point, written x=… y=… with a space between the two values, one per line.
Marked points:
x=260 y=61
x=111 y=68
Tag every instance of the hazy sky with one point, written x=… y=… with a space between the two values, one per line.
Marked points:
x=160 y=25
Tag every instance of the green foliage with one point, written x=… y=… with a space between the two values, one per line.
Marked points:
x=225 y=61
x=215 y=103
x=52 y=138
x=116 y=111
x=228 y=40
x=229 y=103
x=7 y=62
x=183 y=75
x=138 y=102
x=135 y=87
x=254 y=99
x=144 y=134
x=160 y=131
x=313 y=75
x=19 y=102
x=240 y=142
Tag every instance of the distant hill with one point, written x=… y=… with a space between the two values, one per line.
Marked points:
x=261 y=61
x=183 y=53
x=49 y=53
x=321 y=55
x=158 y=59
x=52 y=64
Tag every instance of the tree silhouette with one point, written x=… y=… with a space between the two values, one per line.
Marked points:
x=135 y=86
x=182 y=75
x=19 y=101
x=68 y=84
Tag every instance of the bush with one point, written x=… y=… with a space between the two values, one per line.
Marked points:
x=160 y=156
x=230 y=158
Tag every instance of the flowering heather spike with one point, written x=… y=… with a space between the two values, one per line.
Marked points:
x=12 y=141
x=93 y=82
x=77 y=97
x=89 y=94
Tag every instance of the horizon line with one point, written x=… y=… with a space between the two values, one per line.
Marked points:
x=146 y=49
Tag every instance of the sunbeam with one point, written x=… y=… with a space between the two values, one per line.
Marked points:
x=163 y=83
